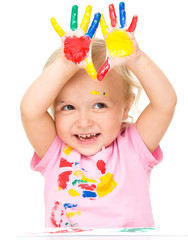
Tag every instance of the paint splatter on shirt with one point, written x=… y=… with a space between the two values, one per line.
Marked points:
x=92 y=191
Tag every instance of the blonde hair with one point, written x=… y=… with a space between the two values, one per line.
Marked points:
x=132 y=87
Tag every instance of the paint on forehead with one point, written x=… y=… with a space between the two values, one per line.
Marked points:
x=98 y=93
x=95 y=92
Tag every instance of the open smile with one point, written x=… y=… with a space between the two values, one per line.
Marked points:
x=87 y=137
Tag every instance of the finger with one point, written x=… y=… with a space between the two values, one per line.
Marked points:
x=57 y=28
x=104 y=27
x=103 y=70
x=133 y=24
x=122 y=14
x=90 y=69
x=86 y=18
x=74 y=18
x=113 y=16
x=94 y=25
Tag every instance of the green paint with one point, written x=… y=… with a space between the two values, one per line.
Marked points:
x=76 y=181
x=136 y=229
x=74 y=18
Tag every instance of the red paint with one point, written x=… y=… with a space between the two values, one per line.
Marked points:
x=73 y=230
x=76 y=49
x=133 y=24
x=113 y=16
x=87 y=186
x=101 y=166
x=63 y=179
x=65 y=163
x=54 y=219
x=103 y=70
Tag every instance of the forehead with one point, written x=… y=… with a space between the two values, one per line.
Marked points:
x=81 y=85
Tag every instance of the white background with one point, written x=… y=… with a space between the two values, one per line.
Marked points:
x=26 y=41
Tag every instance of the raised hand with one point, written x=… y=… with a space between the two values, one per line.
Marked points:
x=77 y=42
x=120 y=41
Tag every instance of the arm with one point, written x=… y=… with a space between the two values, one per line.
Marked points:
x=38 y=124
x=156 y=117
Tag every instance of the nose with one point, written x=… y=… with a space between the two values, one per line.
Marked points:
x=84 y=120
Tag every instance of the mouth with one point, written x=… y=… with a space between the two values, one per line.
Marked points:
x=87 y=137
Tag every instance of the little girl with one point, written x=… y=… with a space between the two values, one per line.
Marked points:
x=96 y=165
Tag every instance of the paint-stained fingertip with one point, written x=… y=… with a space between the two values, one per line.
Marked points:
x=133 y=24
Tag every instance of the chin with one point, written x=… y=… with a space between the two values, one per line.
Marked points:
x=87 y=152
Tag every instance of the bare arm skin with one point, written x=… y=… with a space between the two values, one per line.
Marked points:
x=38 y=124
x=156 y=117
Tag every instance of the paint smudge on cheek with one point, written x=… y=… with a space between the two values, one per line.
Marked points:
x=76 y=49
x=63 y=179
x=101 y=166
x=106 y=185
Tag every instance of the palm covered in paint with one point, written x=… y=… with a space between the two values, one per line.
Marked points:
x=77 y=43
x=120 y=42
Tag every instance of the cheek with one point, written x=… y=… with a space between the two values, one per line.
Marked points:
x=62 y=125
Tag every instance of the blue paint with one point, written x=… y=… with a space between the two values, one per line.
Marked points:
x=83 y=169
x=70 y=205
x=122 y=14
x=76 y=163
x=89 y=194
x=94 y=25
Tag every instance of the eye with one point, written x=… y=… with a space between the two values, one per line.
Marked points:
x=68 y=108
x=99 y=105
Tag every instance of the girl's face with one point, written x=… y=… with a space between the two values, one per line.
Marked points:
x=89 y=114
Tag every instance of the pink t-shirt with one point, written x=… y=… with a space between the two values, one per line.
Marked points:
x=108 y=189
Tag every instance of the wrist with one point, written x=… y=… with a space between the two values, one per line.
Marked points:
x=134 y=59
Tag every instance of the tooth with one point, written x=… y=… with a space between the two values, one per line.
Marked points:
x=88 y=135
x=84 y=136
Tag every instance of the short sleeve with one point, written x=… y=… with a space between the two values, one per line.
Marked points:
x=146 y=157
x=49 y=159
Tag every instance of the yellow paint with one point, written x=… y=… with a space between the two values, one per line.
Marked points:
x=67 y=150
x=59 y=188
x=72 y=214
x=73 y=193
x=86 y=18
x=104 y=27
x=78 y=173
x=106 y=185
x=119 y=44
x=88 y=179
x=95 y=92
x=57 y=28
x=90 y=69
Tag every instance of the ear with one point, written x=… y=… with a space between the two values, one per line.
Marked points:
x=127 y=108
